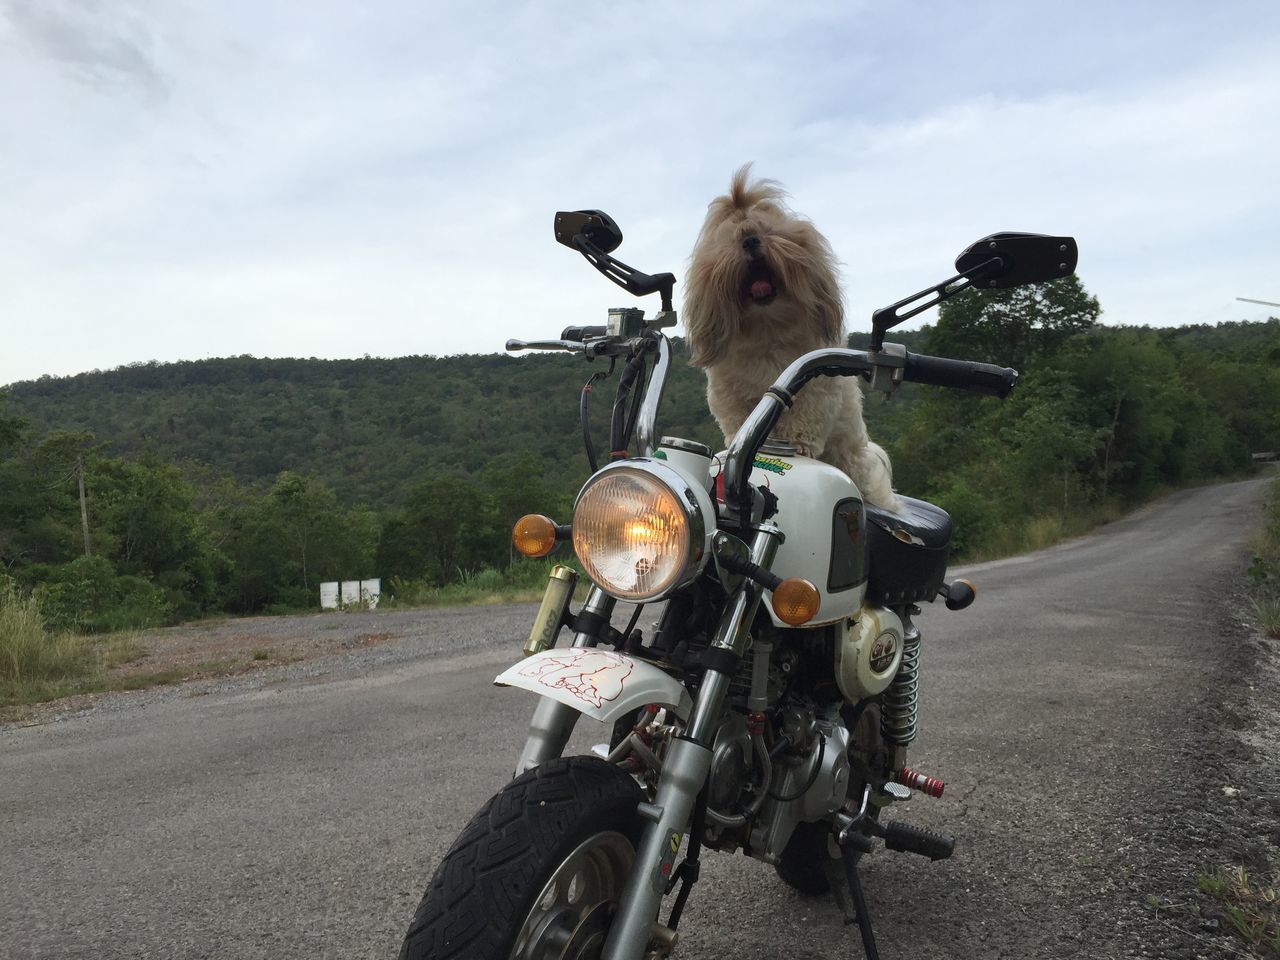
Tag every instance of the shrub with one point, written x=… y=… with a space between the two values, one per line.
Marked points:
x=974 y=515
x=524 y=580
x=87 y=595
x=28 y=651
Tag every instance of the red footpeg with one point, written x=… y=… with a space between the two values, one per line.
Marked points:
x=930 y=786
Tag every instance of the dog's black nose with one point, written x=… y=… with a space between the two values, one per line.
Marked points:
x=751 y=245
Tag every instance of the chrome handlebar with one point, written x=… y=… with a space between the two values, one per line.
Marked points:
x=617 y=346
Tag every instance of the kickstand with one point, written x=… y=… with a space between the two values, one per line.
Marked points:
x=850 y=857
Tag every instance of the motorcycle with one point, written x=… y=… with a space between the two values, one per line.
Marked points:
x=776 y=728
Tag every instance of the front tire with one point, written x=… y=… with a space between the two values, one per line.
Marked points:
x=538 y=871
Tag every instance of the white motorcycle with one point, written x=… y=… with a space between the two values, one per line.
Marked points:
x=778 y=728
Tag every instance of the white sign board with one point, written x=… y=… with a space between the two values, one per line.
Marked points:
x=350 y=593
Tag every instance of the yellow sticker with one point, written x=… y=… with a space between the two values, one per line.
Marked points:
x=772 y=464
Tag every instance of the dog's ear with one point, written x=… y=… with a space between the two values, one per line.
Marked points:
x=830 y=312
x=709 y=318
x=811 y=273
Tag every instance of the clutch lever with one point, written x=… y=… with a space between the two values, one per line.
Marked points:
x=569 y=346
x=601 y=347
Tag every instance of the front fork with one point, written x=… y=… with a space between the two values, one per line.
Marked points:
x=553 y=722
x=685 y=767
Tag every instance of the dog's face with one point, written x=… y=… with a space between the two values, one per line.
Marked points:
x=761 y=272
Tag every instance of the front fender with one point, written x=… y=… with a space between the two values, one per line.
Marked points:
x=601 y=684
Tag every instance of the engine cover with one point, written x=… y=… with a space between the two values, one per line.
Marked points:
x=868 y=653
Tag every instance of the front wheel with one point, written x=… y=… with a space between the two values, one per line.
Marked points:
x=538 y=872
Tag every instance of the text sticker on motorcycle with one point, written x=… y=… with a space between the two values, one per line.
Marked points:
x=772 y=464
x=593 y=676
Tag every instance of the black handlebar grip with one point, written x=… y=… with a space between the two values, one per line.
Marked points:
x=961 y=374
x=578 y=334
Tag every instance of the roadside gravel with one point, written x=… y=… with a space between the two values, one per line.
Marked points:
x=219 y=654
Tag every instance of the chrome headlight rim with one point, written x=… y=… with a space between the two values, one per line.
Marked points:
x=699 y=515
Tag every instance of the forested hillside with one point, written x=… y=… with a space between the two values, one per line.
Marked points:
x=368 y=428
x=239 y=484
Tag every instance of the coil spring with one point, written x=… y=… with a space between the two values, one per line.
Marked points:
x=899 y=707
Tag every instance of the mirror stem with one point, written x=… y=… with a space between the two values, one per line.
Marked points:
x=886 y=318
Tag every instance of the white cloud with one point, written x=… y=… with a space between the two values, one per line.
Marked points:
x=184 y=180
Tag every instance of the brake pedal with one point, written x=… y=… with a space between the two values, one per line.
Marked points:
x=926 y=843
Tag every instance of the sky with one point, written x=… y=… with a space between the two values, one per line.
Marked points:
x=181 y=180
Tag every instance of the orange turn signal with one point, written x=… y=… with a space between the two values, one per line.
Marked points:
x=795 y=601
x=534 y=535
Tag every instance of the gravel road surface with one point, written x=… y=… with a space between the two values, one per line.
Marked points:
x=1102 y=714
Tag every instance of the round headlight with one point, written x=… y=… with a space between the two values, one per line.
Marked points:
x=638 y=531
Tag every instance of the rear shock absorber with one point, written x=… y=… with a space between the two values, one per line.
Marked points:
x=899 y=707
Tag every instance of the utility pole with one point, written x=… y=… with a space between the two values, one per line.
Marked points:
x=84 y=504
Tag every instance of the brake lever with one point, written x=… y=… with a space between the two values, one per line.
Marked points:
x=569 y=346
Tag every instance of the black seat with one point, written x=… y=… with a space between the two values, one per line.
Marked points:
x=908 y=548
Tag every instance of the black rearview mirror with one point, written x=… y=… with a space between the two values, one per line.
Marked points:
x=594 y=226
x=1013 y=259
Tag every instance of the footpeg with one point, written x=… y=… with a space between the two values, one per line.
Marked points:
x=909 y=839
x=929 y=786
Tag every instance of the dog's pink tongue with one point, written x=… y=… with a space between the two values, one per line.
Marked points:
x=761 y=289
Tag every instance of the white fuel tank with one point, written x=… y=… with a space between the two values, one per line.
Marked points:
x=821 y=514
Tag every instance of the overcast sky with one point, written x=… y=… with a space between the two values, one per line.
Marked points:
x=181 y=180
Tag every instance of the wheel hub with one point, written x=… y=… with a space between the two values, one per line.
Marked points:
x=570 y=918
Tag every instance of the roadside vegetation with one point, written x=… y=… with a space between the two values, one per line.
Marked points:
x=237 y=486
x=1264 y=569
x=33 y=660
x=1250 y=909
x=1247 y=907
x=39 y=662
x=523 y=581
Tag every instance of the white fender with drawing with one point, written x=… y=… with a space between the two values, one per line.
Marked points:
x=599 y=683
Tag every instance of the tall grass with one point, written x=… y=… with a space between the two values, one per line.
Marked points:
x=31 y=657
x=1036 y=533
x=523 y=581
x=1268 y=611
x=1264 y=571
x=1251 y=908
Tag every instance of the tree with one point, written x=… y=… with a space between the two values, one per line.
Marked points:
x=149 y=525
x=1014 y=327
x=439 y=532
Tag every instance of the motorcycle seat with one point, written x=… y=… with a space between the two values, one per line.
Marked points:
x=908 y=551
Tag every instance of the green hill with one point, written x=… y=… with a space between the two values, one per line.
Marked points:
x=368 y=428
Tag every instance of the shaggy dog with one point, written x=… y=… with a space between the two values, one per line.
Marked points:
x=762 y=290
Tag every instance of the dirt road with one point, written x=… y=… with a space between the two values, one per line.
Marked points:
x=1099 y=716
